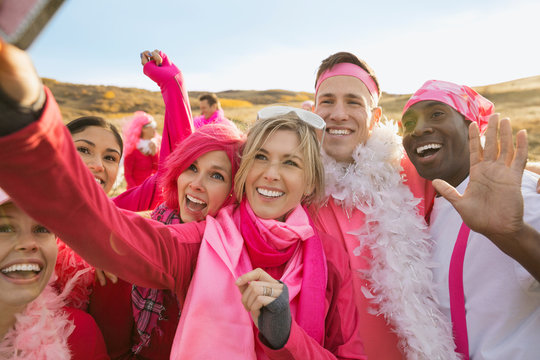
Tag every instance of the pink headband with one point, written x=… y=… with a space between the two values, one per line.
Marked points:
x=461 y=98
x=348 y=69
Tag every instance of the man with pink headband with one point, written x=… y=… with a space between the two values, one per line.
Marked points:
x=486 y=242
x=372 y=210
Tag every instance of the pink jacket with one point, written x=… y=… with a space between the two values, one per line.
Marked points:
x=139 y=250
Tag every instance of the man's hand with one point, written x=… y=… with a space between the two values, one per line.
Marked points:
x=492 y=203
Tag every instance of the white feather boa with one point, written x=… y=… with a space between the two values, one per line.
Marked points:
x=42 y=330
x=400 y=273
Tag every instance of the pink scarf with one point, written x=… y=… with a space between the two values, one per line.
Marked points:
x=213 y=316
x=217 y=117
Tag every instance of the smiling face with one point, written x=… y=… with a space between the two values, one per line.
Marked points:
x=345 y=103
x=204 y=186
x=100 y=151
x=435 y=137
x=276 y=181
x=27 y=258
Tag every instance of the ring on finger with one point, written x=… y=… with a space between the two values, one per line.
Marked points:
x=265 y=291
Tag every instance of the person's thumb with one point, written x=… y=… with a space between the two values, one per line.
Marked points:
x=446 y=190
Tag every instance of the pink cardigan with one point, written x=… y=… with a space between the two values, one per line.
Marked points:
x=139 y=250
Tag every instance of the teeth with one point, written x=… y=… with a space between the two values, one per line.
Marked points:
x=421 y=149
x=196 y=201
x=99 y=181
x=339 y=131
x=21 y=267
x=269 y=193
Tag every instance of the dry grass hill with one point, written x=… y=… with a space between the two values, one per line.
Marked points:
x=518 y=99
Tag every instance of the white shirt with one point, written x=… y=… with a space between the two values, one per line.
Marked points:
x=502 y=300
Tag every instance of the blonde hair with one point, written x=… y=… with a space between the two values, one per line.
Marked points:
x=309 y=146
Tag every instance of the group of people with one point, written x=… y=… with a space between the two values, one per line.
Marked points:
x=313 y=236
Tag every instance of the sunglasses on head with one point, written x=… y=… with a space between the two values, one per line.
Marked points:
x=306 y=116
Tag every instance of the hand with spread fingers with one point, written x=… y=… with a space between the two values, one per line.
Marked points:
x=492 y=203
x=494 y=189
x=258 y=289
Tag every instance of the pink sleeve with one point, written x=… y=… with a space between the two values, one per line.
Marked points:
x=45 y=176
x=178 y=125
x=178 y=122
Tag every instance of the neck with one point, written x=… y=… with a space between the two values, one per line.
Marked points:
x=7 y=319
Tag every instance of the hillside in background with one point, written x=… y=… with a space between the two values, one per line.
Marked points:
x=517 y=99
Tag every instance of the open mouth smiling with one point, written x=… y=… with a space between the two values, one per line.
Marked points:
x=195 y=204
x=428 y=149
x=22 y=271
x=339 y=132
x=269 y=193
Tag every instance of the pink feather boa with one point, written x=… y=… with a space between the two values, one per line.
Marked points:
x=42 y=330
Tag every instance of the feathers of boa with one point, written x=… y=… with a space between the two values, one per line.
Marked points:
x=400 y=273
x=42 y=330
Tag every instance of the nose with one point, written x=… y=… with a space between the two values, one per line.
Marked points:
x=26 y=243
x=96 y=164
x=271 y=173
x=197 y=183
x=422 y=127
x=339 y=113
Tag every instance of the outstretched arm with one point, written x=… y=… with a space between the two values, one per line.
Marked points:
x=44 y=175
x=178 y=125
x=492 y=203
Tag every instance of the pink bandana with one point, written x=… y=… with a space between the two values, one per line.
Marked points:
x=348 y=69
x=461 y=98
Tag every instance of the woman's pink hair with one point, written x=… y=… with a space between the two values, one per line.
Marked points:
x=212 y=137
x=133 y=129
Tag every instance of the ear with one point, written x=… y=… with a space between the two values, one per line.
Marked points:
x=309 y=190
x=376 y=115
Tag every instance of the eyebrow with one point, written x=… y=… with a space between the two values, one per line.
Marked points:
x=349 y=95
x=94 y=145
x=217 y=167
x=213 y=167
x=285 y=155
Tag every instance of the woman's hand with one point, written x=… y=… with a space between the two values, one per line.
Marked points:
x=258 y=289
x=147 y=56
x=102 y=275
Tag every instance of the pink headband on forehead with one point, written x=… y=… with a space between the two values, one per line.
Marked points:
x=348 y=69
x=461 y=98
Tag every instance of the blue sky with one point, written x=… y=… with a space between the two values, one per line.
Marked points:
x=237 y=44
